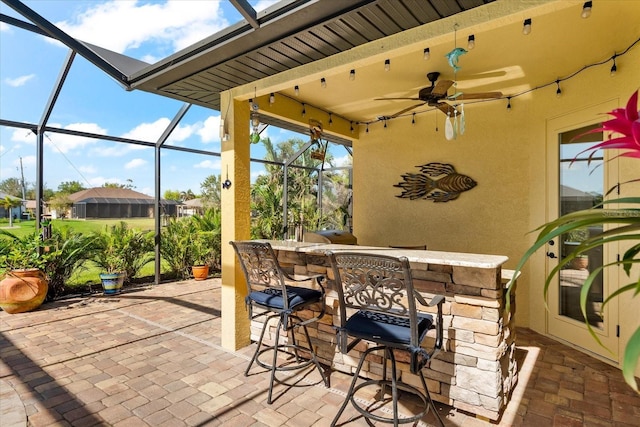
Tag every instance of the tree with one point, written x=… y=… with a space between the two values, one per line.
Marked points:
x=128 y=186
x=210 y=188
x=12 y=187
x=172 y=195
x=61 y=203
x=9 y=203
x=187 y=195
x=70 y=187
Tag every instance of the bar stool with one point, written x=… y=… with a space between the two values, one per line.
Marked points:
x=377 y=303
x=268 y=290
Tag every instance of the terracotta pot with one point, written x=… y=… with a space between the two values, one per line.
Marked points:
x=23 y=290
x=580 y=263
x=112 y=283
x=200 y=272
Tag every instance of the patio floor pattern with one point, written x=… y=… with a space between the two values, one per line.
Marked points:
x=152 y=357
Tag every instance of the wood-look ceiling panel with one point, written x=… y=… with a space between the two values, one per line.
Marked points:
x=381 y=21
x=445 y=7
x=332 y=38
x=363 y=27
x=317 y=44
x=400 y=13
x=341 y=29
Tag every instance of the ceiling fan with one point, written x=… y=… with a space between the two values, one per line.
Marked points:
x=436 y=95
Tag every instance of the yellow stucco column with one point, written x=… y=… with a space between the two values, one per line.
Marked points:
x=235 y=221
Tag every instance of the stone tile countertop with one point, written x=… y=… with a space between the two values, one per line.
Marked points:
x=420 y=256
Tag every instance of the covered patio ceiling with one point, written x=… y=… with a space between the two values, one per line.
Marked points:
x=362 y=35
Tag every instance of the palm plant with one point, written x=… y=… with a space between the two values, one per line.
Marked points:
x=119 y=248
x=624 y=226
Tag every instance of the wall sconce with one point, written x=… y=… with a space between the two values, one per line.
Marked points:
x=387 y=64
x=526 y=27
x=227 y=184
x=471 y=42
x=426 y=54
x=586 y=9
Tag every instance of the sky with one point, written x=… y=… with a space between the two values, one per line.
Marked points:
x=91 y=101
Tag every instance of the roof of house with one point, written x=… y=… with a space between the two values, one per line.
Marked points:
x=115 y=195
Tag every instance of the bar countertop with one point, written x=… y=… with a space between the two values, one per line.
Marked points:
x=421 y=256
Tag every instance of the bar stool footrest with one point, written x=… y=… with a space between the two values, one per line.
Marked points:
x=383 y=384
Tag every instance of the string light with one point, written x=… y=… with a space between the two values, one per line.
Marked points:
x=272 y=98
x=296 y=90
x=385 y=123
x=614 y=68
x=387 y=64
x=351 y=127
x=330 y=119
x=367 y=128
x=352 y=75
x=508 y=103
x=426 y=54
x=526 y=27
x=323 y=83
x=471 y=42
x=558 y=91
x=304 y=110
x=586 y=9
x=413 y=119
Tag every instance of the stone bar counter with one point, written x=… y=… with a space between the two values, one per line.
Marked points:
x=476 y=370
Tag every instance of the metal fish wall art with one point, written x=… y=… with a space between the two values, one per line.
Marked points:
x=438 y=182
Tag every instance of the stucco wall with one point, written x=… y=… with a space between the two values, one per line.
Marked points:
x=505 y=152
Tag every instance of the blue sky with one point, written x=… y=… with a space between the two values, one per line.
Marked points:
x=93 y=102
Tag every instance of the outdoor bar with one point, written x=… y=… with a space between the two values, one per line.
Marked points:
x=476 y=371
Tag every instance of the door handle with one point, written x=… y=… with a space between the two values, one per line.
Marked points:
x=551 y=255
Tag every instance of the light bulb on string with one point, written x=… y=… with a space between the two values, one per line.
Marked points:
x=323 y=82
x=614 y=68
x=385 y=123
x=508 y=103
x=367 y=130
x=471 y=42
x=426 y=54
x=586 y=9
x=304 y=110
x=351 y=127
x=558 y=90
x=296 y=90
x=387 y=64
x=413 y=119
x=272 y=98
x=526 y=27
x=352 y=75
x=330 y=119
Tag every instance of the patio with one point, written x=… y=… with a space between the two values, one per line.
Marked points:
x=152 y=356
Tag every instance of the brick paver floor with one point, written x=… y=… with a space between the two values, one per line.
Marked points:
x=152 y=356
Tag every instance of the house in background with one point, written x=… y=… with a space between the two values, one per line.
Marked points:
x=104 y=202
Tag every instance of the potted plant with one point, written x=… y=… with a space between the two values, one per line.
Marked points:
x=121 y=252
x=201 y=254
x=23 y=284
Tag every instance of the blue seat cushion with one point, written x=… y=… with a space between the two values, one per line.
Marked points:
x=386 y=328
x=272 y=297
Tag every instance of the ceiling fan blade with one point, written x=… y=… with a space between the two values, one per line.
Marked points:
x=441 y=87
x=396 y=99
x=447 y=109
x=478 y=95
x=394 y=115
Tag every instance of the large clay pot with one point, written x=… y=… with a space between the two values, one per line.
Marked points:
x=23 y=290
x=200 y=272
x=112 y=283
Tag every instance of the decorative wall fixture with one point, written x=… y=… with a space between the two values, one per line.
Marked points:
x=438 y=182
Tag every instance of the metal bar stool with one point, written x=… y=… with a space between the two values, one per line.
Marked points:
x=377 y=303
x=267 y=289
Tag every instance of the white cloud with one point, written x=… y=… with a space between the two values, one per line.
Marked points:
x=208 y=164
x=174 y=24
x=19 y=81
x=210 y=131
x=263 y=4
x=342 y=161
x=87 y=169
x=5 y=28
x=135 y=163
